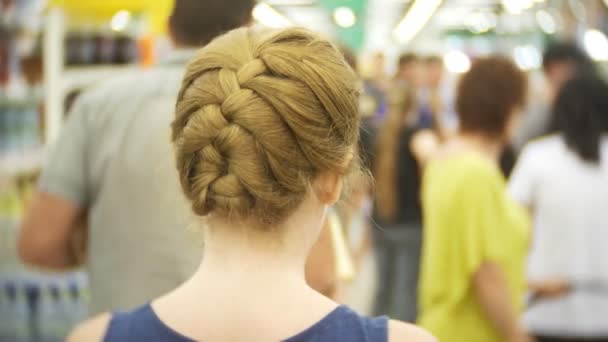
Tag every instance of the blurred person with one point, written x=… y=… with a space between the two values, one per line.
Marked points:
x=561 y=62
x=563 y=180
x=397 y=241
x=375 y=85
x=265 y=129
x=407 y=79
x=472 y=278
x=113 y=165
x=408 y=70
x=430 y=101
x=434 y=71
x=378 y=65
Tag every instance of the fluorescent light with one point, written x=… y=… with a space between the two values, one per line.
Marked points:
x=418 y=15
x=517 y=6
x=527 y=57
x=457 y=62
x=120 y=20
x=291 y=2
x=344 y=17
x=596 y=45
x=481 y=22
x=268 y=16
x=546 y=22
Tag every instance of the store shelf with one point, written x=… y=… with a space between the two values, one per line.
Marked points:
x=78 y=77
x=157 y=11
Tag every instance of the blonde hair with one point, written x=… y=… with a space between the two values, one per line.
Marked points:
x=401 y=103
x=258 y=116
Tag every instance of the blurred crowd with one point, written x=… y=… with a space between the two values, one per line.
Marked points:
x=483 y=205
x=491 y=202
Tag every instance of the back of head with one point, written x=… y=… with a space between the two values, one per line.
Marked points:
x=433 y=60
x=489 y=94
x=260 y=114
x=196 y=22
x=581 y=115
x=407 y=59
x=567 y=52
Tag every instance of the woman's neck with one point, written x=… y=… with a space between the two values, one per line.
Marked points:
x=482 y=144
x=239 y=253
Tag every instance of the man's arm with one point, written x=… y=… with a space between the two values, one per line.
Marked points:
x=50 y=234
x=51 y=223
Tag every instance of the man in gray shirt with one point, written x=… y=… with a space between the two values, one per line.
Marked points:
x=114 y=165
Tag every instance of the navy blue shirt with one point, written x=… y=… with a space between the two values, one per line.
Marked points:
x=342 y=324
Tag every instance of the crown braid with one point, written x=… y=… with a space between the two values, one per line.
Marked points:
x=257 y=117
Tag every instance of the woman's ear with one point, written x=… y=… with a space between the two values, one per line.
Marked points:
x=328 y=187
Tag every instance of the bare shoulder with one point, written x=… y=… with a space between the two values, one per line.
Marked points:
x=403 y=332
x=93 y=329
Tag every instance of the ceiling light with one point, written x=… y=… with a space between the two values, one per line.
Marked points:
x=481 y=22
x=120 y=20
x=291 y=2
x=527 y=57
x=457 y=62
x=268 y=16
x=344 y=17
x=416 y=17
x=517 y=6
x=596 y=45
x=546 y=22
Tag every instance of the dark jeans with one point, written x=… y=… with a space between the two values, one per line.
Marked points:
x=397 y=252
x=569 y=339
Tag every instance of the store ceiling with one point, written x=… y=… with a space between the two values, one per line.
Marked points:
x=379 y=18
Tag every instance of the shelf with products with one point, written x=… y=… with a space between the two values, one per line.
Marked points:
x=20 y=87
x=86 y=42
x=34 y=305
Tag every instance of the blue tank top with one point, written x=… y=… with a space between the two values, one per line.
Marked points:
x=342 y=324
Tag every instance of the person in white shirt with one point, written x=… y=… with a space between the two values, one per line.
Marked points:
x=563 y=180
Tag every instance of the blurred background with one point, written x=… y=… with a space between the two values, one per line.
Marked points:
x=50 y=50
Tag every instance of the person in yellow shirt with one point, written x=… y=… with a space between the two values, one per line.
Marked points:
x=475 y=239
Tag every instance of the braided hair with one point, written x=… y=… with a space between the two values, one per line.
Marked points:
x=258 y=116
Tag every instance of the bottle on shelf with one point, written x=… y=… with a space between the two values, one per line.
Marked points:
x=15 y=322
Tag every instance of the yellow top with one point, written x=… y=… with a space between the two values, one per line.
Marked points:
x=469 y=219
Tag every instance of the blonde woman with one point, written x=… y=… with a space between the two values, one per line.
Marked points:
x=264 y=135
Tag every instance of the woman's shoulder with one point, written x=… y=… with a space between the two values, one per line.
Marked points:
x=400 y=331
x=93 y=329
x=352 y=326
x=122 y=326
x=545 y=144
x=464 y=167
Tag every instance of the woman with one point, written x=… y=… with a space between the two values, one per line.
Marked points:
x=264 y=134
x=563 y=180
x=475 y=238
x=397 y=242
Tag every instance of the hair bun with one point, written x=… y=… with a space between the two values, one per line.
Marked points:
x=258 y=115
